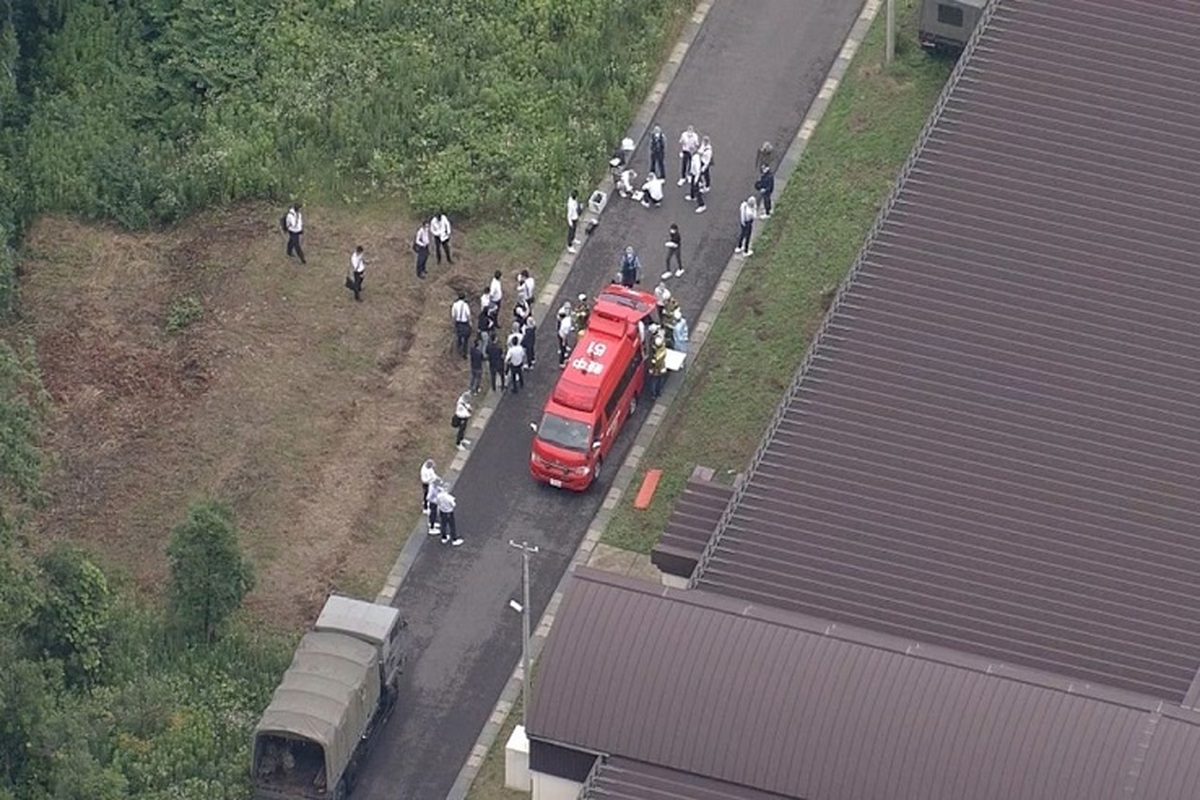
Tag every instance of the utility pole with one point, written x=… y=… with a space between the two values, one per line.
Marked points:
x=526 y=549
x=890 y=47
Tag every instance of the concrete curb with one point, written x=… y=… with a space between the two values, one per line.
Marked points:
x=554 y=283
x=699 y=334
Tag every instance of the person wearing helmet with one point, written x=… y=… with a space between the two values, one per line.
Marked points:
x=580 y=314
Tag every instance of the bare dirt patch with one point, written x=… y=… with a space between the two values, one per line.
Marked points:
x=307 y=412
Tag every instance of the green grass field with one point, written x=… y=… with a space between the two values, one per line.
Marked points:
x=820 y=223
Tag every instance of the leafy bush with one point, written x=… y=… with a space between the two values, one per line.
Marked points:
x=183 y=312
x=72 y=617
x=209 y=575
x=142 y=110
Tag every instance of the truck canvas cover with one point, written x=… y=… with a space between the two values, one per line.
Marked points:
x=365 y=620
x=327 y=696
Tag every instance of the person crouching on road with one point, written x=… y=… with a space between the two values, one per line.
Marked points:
x=445 y=506
x=428 y=476
x=462 y=415
x=652 y=191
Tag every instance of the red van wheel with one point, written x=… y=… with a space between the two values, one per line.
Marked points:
x=598 y=471
x=632 y=406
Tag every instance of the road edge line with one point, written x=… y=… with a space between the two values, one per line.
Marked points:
x=624 y=477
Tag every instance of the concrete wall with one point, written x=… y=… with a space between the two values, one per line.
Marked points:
x=551 y=787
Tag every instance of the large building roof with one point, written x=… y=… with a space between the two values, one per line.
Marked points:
x=708 y=688
x=994 y=444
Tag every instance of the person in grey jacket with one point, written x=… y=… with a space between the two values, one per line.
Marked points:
x=446 y=505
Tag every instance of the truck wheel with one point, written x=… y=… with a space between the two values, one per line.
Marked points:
x=598 y=472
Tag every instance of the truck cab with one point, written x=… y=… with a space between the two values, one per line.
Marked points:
x=339 y=690
x=596 y=393
x=946 y=25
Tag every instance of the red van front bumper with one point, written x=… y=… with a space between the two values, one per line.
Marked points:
x=575 y=478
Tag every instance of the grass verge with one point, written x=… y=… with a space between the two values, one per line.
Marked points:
x=771 y=315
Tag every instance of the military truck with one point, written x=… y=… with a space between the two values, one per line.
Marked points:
x=339 y=690
x=946 y=25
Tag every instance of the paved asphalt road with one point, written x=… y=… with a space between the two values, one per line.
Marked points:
x=749 y=77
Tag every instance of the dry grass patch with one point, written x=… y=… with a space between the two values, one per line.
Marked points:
x=308 y=412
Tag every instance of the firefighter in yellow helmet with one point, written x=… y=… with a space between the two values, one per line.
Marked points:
x=656 y=367
x=580 y=314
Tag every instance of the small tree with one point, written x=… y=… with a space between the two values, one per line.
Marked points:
x=209 y=575
x=73 y=618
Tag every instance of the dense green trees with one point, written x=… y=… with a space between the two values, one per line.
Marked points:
x=141 y=110
x=99 y=699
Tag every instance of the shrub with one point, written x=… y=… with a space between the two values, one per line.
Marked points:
x=209 y=575
x=183 y=312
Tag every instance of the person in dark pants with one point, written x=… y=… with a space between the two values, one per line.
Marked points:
x=446 y=505
x=766 y=187
x=658 y=152
x=515 y=360
x=358 y=268
x=495 y=359
x=439 y=229
x=572 y=219
x=529 y=340
x=294 y=222
x=476 y=367
x=428 y=476
x=460 y=313
x=564 y=333
x=431 y=507
x=674 y=245
x=421 y=248
x=462 y=418
x=695 y=174
x=631 y=268
x=747 y=213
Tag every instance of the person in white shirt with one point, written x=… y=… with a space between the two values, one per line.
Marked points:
x=445 y=505
x=439 y=229
x=572 y=220
x=625 y=186
x=747 y=213
x=358 y=269
x=436 y=487
x=462 y=414
x=496 y=290
x=689 y=143
x=652 y=191
x=525 y=287
x=706 y=158
x=564 y=333
x=294 y=222
x=460 y=313
x=428 y=476
x=514 y=359
x=421 y=248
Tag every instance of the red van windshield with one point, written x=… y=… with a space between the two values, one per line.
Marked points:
x=566 y=433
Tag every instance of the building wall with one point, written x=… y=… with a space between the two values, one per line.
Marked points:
x=552 y=787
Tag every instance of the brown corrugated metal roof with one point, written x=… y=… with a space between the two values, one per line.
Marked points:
x=691 y=524
x=995 y=443
x=776 y=701
x=625 y=779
